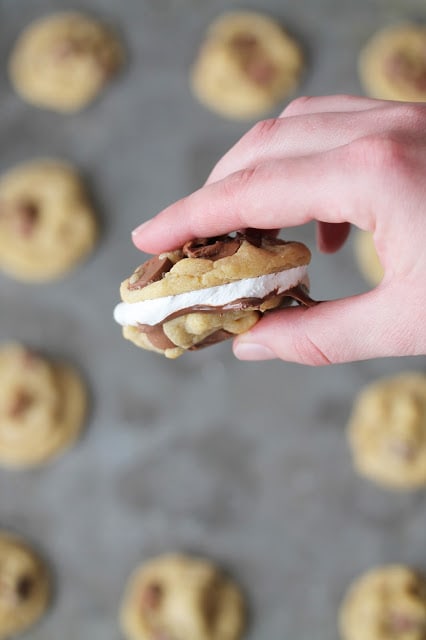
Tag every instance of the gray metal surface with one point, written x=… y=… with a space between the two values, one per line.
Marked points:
x=245 y=463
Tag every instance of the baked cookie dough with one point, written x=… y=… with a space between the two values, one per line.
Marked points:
x=47 y=225
x=387 y=431
x=367 y=258
x=387 y=603
x=178 y=597
x=24 y=586
x=246 y=66
x=42 y=407
x=63 y=61
x=210 y=290
x=392 y=65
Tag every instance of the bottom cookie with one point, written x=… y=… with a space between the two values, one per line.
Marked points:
x=179 y=597
x=367 y=258
x=24 y=586
x=387 y=603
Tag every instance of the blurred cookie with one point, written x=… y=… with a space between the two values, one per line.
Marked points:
x=247 y=65
x=210 y=290
x=24 y=586
x=181 y=598
x=63 y=61
x=42 y=407
x=387 y=603
x=387 y=431
x=47 y=224
x=392 y=65
x=367 y=258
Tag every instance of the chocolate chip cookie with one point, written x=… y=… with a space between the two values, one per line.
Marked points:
x=42 y=407
x=63 y=61
x=47 y=225
x=178 y=597
x=24 y=586
x=210 y=290
x=392 y=65
x=367 y=258
x=387 y=431
x=387 y=603
x=246 y=66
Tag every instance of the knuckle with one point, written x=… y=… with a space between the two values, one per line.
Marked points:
x=298 y=105
x=262 y=131
x=309 y=353
x=379 y=152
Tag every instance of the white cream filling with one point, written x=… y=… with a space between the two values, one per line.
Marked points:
x=154 y=311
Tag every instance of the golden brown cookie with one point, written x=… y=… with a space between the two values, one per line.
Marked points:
x=210 y=290
x=367 y=258
x=63 y=61
x=392 y=65
x=387 y=431
x=24 y=586
x=178 y=597
x=387 y=603
x=47 y=225
x=246 y=66
x=42 y=407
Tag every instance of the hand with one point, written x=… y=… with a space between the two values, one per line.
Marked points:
x=336 y=160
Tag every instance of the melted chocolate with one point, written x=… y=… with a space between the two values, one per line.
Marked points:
x=212 y=248
x=151 y=271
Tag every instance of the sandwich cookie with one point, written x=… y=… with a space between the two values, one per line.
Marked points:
x=210 y=290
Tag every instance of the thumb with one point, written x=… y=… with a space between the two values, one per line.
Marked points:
x=375 y=324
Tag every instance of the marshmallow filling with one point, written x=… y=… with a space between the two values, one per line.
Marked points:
x=156 y=310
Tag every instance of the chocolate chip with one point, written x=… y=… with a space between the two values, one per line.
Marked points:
x=152 y=595
x=151 y=271
x=404 y=623
x=404 y=451
x=261 y=71
x=24 y=587
x=212 y=248
x=244 y=42
x=403 y=68
x=21 y=402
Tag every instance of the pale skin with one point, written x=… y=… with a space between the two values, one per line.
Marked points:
x=339 y=160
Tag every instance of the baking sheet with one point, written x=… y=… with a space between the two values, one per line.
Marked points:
x=244 y=463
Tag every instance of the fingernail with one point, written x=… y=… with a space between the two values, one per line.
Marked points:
x=253 y=351
x=138 y=229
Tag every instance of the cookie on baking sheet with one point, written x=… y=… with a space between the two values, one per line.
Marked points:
x=210 y=290
x=24 y=586
x=47 y=225
x=63 y=61
x=42 y=407
x=387 y=431
x=392 y=65
x=387 y=603
x=367 y=258
x=180 y=597
x=246 y=66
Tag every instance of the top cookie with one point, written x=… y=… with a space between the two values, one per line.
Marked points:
x=64 y=60
x=392 y=65
x=181 y=597
x=246 y=65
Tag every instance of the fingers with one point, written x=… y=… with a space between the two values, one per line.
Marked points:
x=358 y=328
x=299 y=135
x=334 y=103
x=331 y=237
x=285 y=193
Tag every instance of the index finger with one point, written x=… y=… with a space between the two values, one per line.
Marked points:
x=281 y=193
